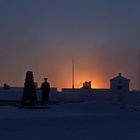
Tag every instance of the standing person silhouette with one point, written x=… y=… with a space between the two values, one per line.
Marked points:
x=45 y=88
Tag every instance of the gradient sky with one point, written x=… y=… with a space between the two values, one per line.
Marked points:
x=102 y=36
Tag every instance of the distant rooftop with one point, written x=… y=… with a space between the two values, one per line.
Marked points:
x=119 y=77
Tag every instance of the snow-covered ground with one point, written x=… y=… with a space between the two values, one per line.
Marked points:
x=15 y=94
x=71 y=121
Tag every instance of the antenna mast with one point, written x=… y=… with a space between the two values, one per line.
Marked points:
x=73 y=74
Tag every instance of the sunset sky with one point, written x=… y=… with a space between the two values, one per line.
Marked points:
x=102 y=36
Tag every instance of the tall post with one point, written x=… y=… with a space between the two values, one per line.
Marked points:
x=73 y=74
x=139 y=71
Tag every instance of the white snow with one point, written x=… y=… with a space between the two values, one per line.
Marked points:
x=72 y=121
x=76 y=117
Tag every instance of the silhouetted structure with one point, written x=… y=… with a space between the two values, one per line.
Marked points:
x=45 y=88
x=87 y=85
x=6 y=87
x=29 y=92
x=119 y=83
x=119 y=87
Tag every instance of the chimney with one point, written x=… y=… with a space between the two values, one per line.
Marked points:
x=120 y=74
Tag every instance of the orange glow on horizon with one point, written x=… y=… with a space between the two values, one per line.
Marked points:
x=96 y=82
x=79 y=84
x=62 y=78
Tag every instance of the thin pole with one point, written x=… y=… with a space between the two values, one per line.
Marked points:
x=73 y=74
x=139 y=70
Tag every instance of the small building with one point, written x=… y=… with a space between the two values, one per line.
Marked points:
x=119 y=83
x=119 y=87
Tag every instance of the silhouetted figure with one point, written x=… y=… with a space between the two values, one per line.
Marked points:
x=45 y=88
x=29 y=92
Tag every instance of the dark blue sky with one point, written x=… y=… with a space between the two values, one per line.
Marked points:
x=44 y=35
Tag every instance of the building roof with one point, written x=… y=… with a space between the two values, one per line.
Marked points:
x=119 y=77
